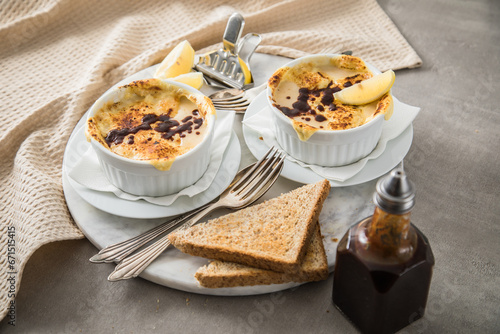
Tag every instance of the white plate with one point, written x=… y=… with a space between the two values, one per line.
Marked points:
x=176 y=270
x=108 y=202
x=394 y=152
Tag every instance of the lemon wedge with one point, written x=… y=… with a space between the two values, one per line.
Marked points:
x=179 y=61
x=246 y=71
x=193 y=79
x=368 y=90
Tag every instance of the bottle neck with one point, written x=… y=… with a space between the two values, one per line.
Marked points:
x=390 y=236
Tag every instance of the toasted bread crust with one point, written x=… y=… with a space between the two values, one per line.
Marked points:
x=220 y=274
x=226 y=245
x=325 y=190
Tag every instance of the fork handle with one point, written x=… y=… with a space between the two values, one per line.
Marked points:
x=135 y=264
x=233 y=32
x=119 y=251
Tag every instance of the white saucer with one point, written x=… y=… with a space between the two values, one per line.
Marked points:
x=394 y=152
x=108 y=202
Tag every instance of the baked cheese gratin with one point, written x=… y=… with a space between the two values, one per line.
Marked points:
x=152 y=121
x=305 y=94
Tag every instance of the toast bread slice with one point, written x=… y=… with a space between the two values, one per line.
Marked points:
x=221 y=274
x=272 y=235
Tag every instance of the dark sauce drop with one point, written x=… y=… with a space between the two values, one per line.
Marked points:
x=198 y=122
x=320 y=118
x=150 y=118
x=327 y=97
x=164 y=124
x=289 y=112
x=178 y=130
x=301 y=105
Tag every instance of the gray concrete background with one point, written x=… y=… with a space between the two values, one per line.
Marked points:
x=454 y=160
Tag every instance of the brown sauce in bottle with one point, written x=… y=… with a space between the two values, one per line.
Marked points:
x=382 y=273
x=378 y=297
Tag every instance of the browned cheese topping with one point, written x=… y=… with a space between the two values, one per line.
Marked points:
x=153 y=121
x=305 y=94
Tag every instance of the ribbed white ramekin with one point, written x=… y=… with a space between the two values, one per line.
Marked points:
x=142 y=178
x=325 y=147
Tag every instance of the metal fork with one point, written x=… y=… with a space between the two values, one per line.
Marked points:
x=254 y=182
x=236 y=99
x=117 y=252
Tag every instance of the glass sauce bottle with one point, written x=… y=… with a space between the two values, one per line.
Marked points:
x=384 y=263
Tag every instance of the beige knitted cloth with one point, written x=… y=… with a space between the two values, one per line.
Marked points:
x=58 y=56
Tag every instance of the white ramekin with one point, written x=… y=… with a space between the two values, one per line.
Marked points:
x=327 y=148
x=141 y=177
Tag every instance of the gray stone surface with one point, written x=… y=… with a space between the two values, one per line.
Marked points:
x=454 y=162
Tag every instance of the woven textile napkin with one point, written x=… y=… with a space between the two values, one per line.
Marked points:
x=403 y=116
x=59 y=56
x=89 y=173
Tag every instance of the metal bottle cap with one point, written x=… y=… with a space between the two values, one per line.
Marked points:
x=395 y=193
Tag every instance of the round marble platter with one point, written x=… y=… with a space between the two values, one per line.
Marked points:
x=343 y=207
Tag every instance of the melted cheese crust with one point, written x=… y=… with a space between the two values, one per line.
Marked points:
x=319 y=78
x=177 y=122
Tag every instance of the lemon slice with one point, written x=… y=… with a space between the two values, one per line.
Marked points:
x=368 y=90
x=246 y=71
x=193 y=79
x=179 y=61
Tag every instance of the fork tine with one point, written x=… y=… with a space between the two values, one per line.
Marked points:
x=255 y=170
x=271 y=177
x=232 y=101
x=237 y=110
x=261 y=181
x=229 y=98
x=256 y=176
x=231 y=105
x=250 y=172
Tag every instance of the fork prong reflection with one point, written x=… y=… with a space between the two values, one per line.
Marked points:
x=250 y=174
